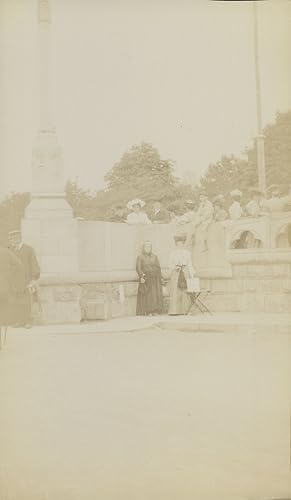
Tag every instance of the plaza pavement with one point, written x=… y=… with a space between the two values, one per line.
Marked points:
x=147 y=409
x=218 y=321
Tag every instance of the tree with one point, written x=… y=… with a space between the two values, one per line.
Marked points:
x=231 y=172
x=142 y=173
x=12 y=209
x=277 y=151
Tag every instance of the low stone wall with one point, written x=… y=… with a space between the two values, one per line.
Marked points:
x=260 y=282
x=88 y=268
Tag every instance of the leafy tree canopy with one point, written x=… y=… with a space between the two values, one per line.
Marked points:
x=231 y=172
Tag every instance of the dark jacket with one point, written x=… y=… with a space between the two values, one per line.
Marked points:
x=12 y=274
x=161 y=217
x=27 y=256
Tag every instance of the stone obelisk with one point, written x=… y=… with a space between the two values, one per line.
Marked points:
x=49 y=225
x=48 y=197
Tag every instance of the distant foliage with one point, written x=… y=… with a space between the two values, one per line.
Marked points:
x=12 y=210
x=142 y=173
x=231 y=172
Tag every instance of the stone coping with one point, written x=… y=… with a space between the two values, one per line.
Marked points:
x=260 y=256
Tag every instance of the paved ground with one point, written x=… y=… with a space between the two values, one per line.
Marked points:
x=110 y=411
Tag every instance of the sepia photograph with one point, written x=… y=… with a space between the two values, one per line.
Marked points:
x=145 y=250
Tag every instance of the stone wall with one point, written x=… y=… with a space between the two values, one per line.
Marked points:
x=88 y=268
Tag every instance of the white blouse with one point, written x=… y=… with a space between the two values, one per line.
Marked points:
x=140 y=218
x=181 y=257
x=235 y=210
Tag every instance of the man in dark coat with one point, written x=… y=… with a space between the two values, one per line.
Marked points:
x=158 y=215
x=12 y=284
x=26 y=255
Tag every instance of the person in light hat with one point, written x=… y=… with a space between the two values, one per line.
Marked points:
x=235 y=210
x=181 y=268
x=27 y=256
x=137 y=216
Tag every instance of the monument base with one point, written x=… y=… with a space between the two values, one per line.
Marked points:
x=47 y=206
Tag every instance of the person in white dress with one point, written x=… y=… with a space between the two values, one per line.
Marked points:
x=235 y=210
x=181 y=268
x=137 y=216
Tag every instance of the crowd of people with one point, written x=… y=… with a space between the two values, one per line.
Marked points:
x=20 y=271
x=205 y=210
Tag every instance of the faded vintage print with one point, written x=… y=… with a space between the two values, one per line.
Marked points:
x=145 y=250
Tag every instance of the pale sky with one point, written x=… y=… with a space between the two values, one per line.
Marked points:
x=176 y=73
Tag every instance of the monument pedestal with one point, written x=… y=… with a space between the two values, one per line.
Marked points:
x=50 y=228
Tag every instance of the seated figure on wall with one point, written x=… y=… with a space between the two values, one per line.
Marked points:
x=235 y=209
x=137 y=216
x=254 y=207
x=150 y=291
x=219 y=212
x=276 y=202
x=158 y=215
x=119 y=214
x=188 y=220
x=181 y=268
x=190 y=214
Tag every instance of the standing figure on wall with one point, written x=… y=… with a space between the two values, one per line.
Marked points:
x=26 y=255
x=137 y=216
x=12 y=284
x=150 y=291
x=181 y=269
x=235 y=209
x=204 y=218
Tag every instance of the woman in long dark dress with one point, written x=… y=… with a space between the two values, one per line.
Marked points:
x=150 y=290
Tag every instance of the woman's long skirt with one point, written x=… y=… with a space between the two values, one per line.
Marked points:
x=150 y=297
x=179 y=299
